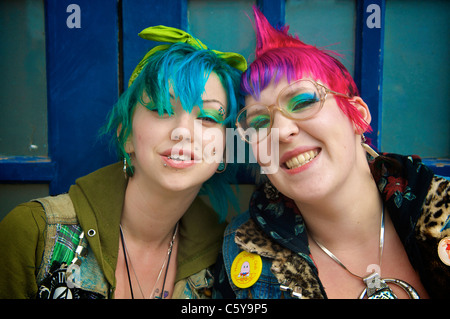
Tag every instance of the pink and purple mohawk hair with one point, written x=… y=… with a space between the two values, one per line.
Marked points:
x=279 y=54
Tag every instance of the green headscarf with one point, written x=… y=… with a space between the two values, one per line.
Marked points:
x=162 y=33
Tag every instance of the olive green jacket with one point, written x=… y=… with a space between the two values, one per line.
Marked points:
x=98 y=200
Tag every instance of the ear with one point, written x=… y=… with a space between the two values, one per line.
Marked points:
x=128 y=147
x=363 y=109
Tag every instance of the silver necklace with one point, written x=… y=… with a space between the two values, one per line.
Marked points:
x=154 y=293
x=376 y=287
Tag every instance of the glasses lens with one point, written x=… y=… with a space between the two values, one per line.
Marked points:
x=300 y=100
x=254 y=122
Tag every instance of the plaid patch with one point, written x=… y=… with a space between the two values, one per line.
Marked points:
x=67 y=239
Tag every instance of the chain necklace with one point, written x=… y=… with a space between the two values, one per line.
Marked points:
x=377 y=287
x=154 y=292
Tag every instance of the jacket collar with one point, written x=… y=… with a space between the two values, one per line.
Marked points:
x=403 y=182
x=279 y=217
x=98 y=200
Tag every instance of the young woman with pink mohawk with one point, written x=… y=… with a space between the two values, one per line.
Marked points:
x=334 y=219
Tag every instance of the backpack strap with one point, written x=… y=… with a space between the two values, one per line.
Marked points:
x=62 y=234
x=60 y=273
x=58 y=209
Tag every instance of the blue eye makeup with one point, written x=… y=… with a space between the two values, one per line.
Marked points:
x=211 y=115
x=302 y=102
x=260 y=121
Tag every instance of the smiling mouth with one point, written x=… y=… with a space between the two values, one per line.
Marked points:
x=178 y=161
x=301 y=159
x=181 y=158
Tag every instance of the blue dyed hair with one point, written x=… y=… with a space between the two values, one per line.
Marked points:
x=185 y=69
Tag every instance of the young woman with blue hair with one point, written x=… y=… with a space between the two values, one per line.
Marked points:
x=137 y=229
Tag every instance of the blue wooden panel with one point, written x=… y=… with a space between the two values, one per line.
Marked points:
x=140 y=14
x=440 y=166
x=325 y=24
x=23 y=124
x=416 y=116
x=369 y=59
x=274 y=11
x=27 y=169
x=82 y=84
x=234 y=32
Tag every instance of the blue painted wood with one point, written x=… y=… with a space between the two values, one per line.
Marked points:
x=416 y=116
x=27 y=169
x=274 y=11
x=369 y=41
x=440 y=166
x=82 y=85
x=140 y=14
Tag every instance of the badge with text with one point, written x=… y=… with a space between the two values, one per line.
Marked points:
x=246 y=269
x=444 y=250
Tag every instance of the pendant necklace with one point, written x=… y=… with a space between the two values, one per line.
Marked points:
x=154 y=294
x=377 y=287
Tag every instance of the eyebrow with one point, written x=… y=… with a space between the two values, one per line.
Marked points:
x=213 y=100
x=204 y=101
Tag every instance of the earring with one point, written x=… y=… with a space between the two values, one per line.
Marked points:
x=127 y=170
x=223 y=163
x=367 y=148
x=222 y=167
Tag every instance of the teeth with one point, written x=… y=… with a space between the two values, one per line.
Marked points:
x=301 y=159
x=179 y=158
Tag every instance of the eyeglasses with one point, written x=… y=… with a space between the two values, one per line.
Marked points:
x=300 y=100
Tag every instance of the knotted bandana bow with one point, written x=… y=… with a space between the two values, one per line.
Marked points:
x=172 y=35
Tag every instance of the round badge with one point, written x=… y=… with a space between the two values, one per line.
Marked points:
x=246 y=269
x=444 y=250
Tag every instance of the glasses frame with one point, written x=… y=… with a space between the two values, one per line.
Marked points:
x=323 y=93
